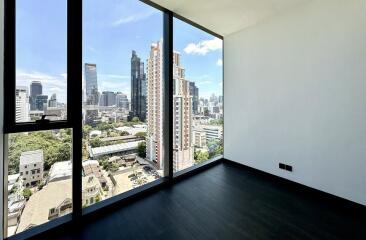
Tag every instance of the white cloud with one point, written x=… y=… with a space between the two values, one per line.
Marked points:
x=203 y=47
x=114 y=76
x=219 y=62
x=91 y=49
x=132 y=18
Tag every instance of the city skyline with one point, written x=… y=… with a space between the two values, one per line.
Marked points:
x=48 y=64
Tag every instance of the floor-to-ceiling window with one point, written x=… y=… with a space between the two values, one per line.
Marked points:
x=85 y=107
x=197 y=96
x=38 y=163
x=122 y=97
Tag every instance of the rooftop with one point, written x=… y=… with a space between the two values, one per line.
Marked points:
x=60 y=171
x=36 y=210
x=132 y=130
x=31 y=157
x=100 y=151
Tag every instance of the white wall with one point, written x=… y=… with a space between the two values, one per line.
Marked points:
x=295 y=92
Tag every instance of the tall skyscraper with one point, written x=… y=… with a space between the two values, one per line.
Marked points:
x=193 y=91
x=107 y=99
x=138 y=88
x=21 y=104
x=35 y=90
x=53 y=101
x=183 y=151
x=91 y=84
x=154 y=138
x=122 y=101
x=41 y=102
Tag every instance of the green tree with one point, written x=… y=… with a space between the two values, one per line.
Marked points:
x=95 y=142
x=140 y=134
x=112 y=134
x=135 y=120
x=215 y=147
x=27 y=193
x=86 y=131
x=219 y=122
x=141 y=149
x=201 y=156
x=108 y=166
x=124 y=133
x=56 y=147
x=104 y=126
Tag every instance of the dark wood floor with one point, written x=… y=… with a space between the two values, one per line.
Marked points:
x=227 y=202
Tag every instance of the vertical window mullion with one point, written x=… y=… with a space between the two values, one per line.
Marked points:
x=74 y=95
x=168 y=93
x=9 y=65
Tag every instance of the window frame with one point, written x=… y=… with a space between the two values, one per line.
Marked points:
x=74 y=114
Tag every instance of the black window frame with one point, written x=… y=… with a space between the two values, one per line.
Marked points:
x=74 y=113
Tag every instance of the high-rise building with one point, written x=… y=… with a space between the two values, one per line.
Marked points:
x=107 y=99
x=194 y=92
x=122 y=101
x=53 y=101
x=41 y=102
x=138 y=88
x=183 y=151
x=21 y=104
x=35 y=90
x=91 y=84
x=154 y=116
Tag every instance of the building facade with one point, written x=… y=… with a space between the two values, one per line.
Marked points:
x=91 y=84
x=194 y=92
x=122 y=101
x=138 y=88
x=53 y=101
x=41 y=102
x=107 y=99
x=31 y=167
x=183 y=150
x=21 y=104
x=154 y=136
x=35 y=90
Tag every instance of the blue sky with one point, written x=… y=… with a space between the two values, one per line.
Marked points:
x=111 y=30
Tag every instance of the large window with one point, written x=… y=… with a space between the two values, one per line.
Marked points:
x=41 y=42
x=39 y=178
x=197 y=96
x=38 y=164
x=103 y=100
x=123 y=97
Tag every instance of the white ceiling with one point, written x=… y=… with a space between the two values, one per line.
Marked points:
x=227 y=16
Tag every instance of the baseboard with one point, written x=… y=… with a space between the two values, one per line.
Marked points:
x=316 y=193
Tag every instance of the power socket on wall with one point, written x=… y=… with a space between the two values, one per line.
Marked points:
x=285 y=167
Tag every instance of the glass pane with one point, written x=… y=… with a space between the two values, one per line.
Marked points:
x=39 y=178
x=41 y=47
x=122 y=106
x=197 y=96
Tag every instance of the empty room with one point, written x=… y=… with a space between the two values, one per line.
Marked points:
x=184 y=119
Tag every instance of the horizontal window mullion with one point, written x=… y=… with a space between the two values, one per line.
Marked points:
x=32 y=127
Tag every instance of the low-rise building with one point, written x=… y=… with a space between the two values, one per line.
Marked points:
x=199 y=138
x=54 y=200
x=60 y=171
x=31 y=167
x=91 y=190
x=121 y=149
x=12 y=180
x=91 y=167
